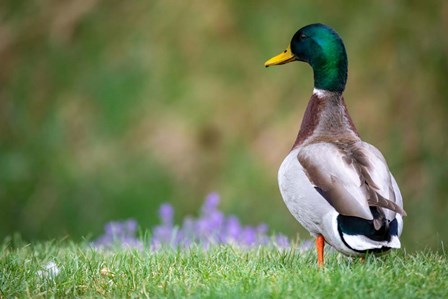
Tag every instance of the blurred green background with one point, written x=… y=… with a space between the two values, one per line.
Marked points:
x=109 y=108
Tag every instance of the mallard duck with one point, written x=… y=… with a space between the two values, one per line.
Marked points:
x=337 y=186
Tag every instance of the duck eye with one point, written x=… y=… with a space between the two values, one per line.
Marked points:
x=303 y=36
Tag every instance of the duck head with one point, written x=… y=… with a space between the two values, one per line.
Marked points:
x=322 y=48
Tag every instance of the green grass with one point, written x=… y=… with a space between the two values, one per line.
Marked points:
x=222 y=272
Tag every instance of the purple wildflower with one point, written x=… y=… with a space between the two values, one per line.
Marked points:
x=113 y=229
x=166 y=213
x=211 y=227
x=119 y=233
x=232 y=229
x=306 y=245
x=131 y=226
x=211 y=203
x=248 y=236
x=164 y=233
x=262 y=228
x=281 y=241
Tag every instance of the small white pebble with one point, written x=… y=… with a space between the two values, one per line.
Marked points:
x=50 y=270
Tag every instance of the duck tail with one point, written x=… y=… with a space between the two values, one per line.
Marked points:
x=361 y=235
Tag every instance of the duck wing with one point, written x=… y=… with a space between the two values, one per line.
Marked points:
x=350 y=176
x=374 y=170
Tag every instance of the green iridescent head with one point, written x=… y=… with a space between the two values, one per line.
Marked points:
x=322 y=48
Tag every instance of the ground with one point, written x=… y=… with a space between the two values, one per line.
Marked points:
x=66 y=269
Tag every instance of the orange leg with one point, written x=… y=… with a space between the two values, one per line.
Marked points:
x=320 y=243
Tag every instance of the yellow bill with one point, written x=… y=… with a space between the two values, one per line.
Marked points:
x=281 y=58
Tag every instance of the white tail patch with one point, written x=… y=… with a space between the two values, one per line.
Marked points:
x=361 y=243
